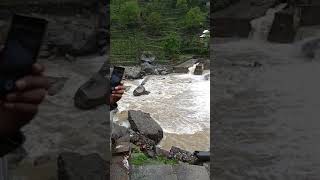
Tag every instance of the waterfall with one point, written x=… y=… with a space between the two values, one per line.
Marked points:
x=192 y=68
x=262 y=25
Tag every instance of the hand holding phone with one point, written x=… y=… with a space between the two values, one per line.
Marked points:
x=116 y=76
x=20 y=51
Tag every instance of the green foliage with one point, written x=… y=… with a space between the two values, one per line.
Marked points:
x=130 y=13
x=182 y=4
x=194 y=18
x=154 y=23
x=172 y=45
x=140 y=159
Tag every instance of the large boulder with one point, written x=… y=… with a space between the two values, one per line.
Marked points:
x=182 y=155
x=284 y=27
x=92 y=93
x=235 y=19
x=73 y=166
x=143 y=123
x=140 y=90
x=148 y=69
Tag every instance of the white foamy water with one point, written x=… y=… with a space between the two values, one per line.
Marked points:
x=180 y=103
x=262 y=26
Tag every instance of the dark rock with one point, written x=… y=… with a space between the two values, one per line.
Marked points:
x=56 y=84
x=308 y=14
x=234 y=21
x=284 y=27
x=73 y=166
x=207 y=77
x=147 y=57
x=145 y=144
x=191 y=172
x=118 y=132
x=162 y=152
x=199 y=69
x=153 y=172
x=148 y=69
x=122 y=148
x=133 y=73
x=309 y=48
x=143 y=123
x=140 y=90
x=182 y=155
x=92 y=93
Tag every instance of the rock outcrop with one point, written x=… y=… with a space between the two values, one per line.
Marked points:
x=143 y=123
x=73 y=166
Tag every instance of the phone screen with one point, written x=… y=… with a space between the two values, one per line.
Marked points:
x=116 y=76
x=21 y=49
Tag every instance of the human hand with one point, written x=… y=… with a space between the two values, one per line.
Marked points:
x=116 y=94
x=19 y=107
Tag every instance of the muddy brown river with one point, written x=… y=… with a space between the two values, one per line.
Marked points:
x=266 y=119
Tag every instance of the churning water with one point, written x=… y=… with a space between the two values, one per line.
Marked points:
x=180 y=103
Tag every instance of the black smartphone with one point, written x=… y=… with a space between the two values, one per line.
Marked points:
x=21 y=50
x=116 y=76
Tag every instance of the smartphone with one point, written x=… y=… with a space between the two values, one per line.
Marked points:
x=116 y=76
x=21 y=50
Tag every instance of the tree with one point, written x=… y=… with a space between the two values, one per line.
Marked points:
x=130 y=13
x=182 y=4
x=154 y=22
x=172 y=45
x=194 y=18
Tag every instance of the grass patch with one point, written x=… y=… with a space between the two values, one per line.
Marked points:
x=140 y=159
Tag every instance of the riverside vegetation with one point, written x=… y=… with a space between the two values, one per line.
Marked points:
x=169 y=29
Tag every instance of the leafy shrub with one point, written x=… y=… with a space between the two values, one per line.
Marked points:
x=130 y=13
x=182 y=4
x=172 y=45
x=194 y=18
x=154 y=22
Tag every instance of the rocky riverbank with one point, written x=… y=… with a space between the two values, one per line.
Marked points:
x=142 y=136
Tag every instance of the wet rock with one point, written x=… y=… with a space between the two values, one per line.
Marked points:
x=284 y=27
x=234 y=21
x=133 y=73
x=206 y=77
x=118 y=132
x=191 y=172
x=92 y=93
x=56 y=84
x=145 y=144
x=147 y=57
x=199 y=69
x=73 y=166
x=153 y=172
x=148 y=69
x=182 y=155
x=162 y=152
x=310 y=48
x=143 y=123
x=140 y=90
